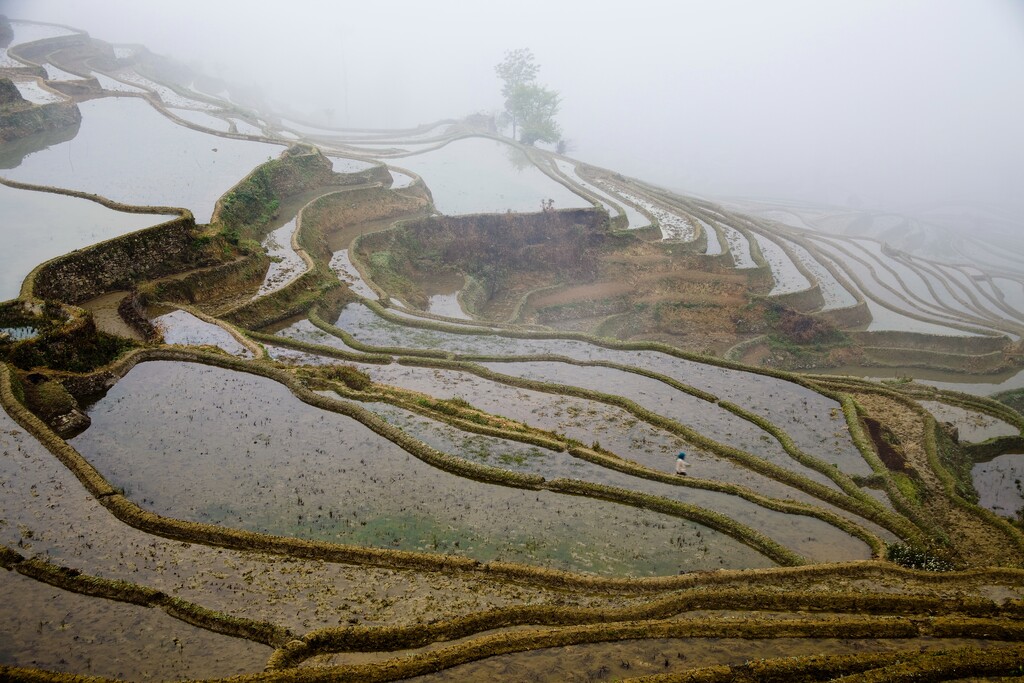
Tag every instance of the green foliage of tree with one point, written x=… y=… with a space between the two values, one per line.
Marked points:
x=535 y=107
x=517 y=68
x=530 y=107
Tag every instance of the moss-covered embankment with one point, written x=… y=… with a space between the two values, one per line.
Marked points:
x=341 y=211
x=249 y=205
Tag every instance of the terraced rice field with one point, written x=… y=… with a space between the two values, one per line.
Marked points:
x=292 y=476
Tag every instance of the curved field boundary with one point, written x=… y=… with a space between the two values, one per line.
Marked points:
x=74 y=581
x=854 y=500
x=29 y=286
x=598 y=456
x=952 y=320
x=241 y=540
x=706 y=627
x=257 y=350
x=870 y=511
x=581 y=625
x=210 y=534
x=946 y=479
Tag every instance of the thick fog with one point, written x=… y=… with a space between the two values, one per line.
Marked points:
x=897 y=105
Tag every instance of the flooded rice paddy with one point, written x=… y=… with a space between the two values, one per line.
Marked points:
x=38 y=226
x=673 y=225
x=784 y=272
x=202 y=119
x=29 y=31
x=346 y=165
x=807 y=536
x=112 y=155
x=115 y=86
x=167 y=95
x=287 y=468
x=48 y=514
x=714 y=243
x=784 y=403
x=739 y=247
x=1000 y=484
x=704 y=417
x=37 y=93
x=479 y=175
x=973 y=427
x=48 y=628
x=347 y=272
x=181 y=327
x=285 y=263
x=568 y=169
x=834 y=294
x=223 y=447
x=55 y=74
x=587 y=663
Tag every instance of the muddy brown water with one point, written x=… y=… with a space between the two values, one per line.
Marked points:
x=48 y=628
x=629 y=659
x=442 y=290
x=45 y=512
x=584 y=420
x=814 y=422
x=211 y=445
x=812 y=538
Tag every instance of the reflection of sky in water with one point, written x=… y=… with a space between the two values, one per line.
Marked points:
x=972 y=426
x=202 y=119
x=478 y=175
x=181 y=327
x=1000 y=484
x=38 y=226
x=833 y=293
x=787 y=277
x=127 y=151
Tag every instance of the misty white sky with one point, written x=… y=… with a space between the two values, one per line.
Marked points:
x=899 y=102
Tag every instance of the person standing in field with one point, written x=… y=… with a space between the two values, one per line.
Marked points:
x=681 y=464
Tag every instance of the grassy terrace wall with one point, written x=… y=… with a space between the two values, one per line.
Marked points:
x=214 y=535
x=936 y=360
x=252 y=202
x=332 y=211
x=847 y=614
x=551 y=239
x=804 y=301
x=121 y=263
x=212 y=283
x=845 y=318
x=965 y=345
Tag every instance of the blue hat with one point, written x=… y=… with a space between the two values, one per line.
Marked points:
x=682 y=456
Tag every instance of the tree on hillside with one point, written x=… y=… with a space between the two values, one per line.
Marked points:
x=534 y=107
x=528 y=106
